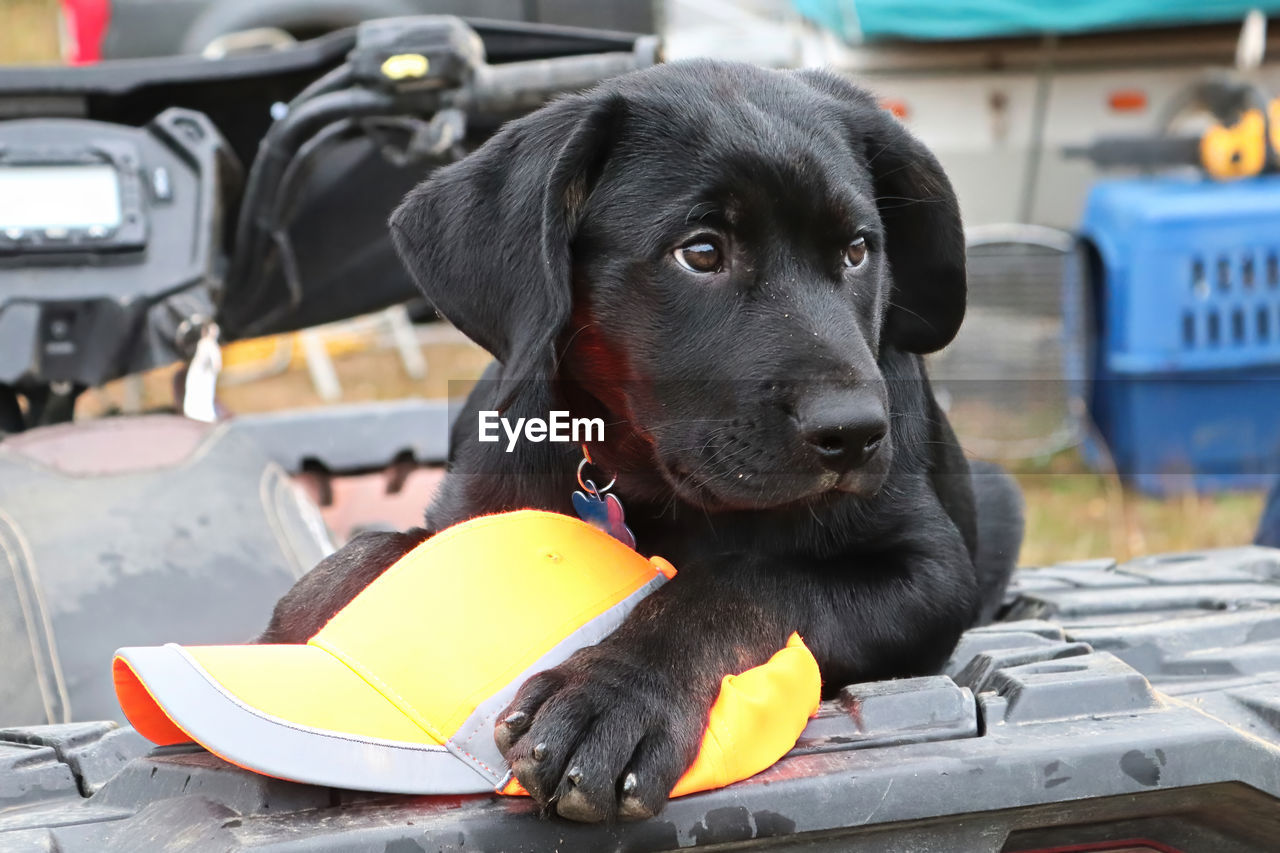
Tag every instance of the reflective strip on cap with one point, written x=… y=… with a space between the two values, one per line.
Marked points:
x=251 y=738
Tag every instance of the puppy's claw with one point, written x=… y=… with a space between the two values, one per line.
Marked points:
x=629 y=783
x=539 y=752
x=524 y=768
x=575 y=805
x=574 y=775
x=632 y=809
x=508 y=731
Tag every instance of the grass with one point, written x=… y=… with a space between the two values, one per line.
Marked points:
x=1073 y=513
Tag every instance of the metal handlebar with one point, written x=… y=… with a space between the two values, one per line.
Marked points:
x=521 y=86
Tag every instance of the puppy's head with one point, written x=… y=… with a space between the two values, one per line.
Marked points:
x=717 y=256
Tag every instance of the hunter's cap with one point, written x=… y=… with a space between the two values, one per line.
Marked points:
x=399 y=692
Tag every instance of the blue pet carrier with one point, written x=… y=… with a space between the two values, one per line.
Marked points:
x=1175 y=303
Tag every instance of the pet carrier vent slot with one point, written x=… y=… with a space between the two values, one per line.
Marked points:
x=1214 y=330
x=1224 y=273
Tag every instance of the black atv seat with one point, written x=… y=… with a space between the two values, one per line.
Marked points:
x=201 y=533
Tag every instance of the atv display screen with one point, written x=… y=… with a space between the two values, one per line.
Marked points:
x=59 y=197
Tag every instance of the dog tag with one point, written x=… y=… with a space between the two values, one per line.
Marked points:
x=603 y=512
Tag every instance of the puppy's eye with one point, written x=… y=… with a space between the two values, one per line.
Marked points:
x=855 y=253
x=700 y=256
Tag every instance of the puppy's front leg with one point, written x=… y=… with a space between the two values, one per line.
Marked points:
x=608 y=733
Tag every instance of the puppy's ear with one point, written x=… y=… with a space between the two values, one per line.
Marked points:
x=487 y=238
x=924 y=237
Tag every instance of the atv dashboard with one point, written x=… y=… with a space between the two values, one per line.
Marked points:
x=99 y=223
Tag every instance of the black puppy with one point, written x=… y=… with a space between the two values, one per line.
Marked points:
x=737 y=269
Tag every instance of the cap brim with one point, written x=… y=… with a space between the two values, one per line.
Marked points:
x=290 y=711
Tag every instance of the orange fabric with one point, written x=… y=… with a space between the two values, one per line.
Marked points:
x=755 y=721
x=141 y=709
x=668 y=570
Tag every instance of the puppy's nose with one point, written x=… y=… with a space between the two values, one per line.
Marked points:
x=846 y=430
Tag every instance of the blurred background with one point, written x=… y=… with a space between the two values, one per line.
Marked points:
x=1124 y=324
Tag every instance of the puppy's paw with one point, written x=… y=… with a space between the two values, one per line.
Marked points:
x=600 y=739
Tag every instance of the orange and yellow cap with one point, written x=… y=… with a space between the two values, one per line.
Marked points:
x=399 y=692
